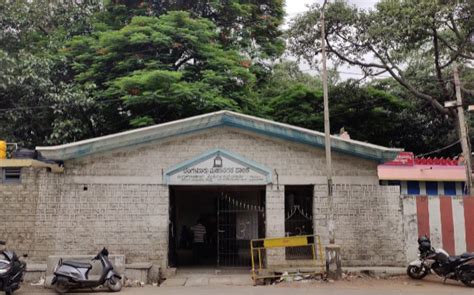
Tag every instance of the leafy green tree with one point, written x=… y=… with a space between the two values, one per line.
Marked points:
x=163 y=68
x=253 y=27
x=372 y=113
x=395 y=38
x=420 y=128
x=199 y=68
x=366 y=113
x=298 y=105
x=35 y=88
x=40 y=25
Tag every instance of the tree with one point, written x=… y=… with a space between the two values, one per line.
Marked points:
x=162 y=68
x=253 y=27
x=35 y=88
x=79 y=91
x=32 y=25
x=395 y=38
x=298 y=105
x=368 y=112
x=420 y=128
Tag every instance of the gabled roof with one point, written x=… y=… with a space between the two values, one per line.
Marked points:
x=211 y=120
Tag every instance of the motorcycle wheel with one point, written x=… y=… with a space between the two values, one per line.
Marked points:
x=114 y=284
x=467 y=279
x=9 y=292
x=468 y=283
x=417 y=272
x=61 y=286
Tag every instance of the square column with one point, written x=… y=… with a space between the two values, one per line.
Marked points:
x=275 y=221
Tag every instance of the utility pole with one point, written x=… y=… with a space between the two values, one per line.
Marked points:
x=327 y=133
x=463 y=131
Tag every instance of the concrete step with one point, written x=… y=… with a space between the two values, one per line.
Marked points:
x=376 y=270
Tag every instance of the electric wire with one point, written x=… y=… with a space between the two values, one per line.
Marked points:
x=440 y=149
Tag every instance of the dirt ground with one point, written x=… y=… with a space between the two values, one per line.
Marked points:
x=350 y=286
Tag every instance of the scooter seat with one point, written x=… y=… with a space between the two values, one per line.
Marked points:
x=78 y=264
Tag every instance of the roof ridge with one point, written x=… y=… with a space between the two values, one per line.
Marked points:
x=214 y=119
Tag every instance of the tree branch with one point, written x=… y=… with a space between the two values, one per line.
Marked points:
x=457 y=52
x=439 y=74
x=43 y=30
x=400 y=79
x=379 y=73
x=350 y=61
x=347 y=40
x=455 y=28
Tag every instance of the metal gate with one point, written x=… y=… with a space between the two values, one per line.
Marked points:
x=298 y=218
x=240 y=218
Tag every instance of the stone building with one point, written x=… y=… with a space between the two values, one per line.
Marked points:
x=139 y=192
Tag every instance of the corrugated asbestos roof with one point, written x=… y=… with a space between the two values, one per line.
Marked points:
x=211 y=120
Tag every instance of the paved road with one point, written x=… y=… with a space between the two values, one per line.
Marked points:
x=392 y=286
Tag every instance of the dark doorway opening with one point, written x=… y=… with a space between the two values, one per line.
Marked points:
x=299 y=218
x=231 y=217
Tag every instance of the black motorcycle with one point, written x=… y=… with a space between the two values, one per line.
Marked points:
x=75 y=275
x=459 y=268
x=11 y=271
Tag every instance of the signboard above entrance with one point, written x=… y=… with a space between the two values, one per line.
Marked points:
x=218 y=167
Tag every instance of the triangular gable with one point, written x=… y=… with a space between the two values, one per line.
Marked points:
x=218 y=167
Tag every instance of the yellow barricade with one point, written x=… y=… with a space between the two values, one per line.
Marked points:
x=258 y=251
x=3 y=149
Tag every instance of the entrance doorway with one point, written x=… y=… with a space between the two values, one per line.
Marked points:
x=229 y=215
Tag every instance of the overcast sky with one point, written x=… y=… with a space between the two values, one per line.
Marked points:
x=296 y=6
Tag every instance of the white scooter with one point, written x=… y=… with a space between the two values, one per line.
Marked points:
x=75 y=275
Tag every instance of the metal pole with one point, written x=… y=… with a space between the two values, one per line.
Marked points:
x=463 y=131
x=327 y=134
x=219 y=200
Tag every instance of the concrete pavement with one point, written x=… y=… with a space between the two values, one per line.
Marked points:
x=204 y=281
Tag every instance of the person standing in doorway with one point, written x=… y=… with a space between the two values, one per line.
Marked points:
x=199 y=231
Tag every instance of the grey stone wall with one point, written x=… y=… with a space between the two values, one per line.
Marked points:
x=368 y=223
x=18 y=203
x=129 y=219
x=294 y=163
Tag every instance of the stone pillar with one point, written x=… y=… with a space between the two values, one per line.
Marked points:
x=320 y=213
x=275 y=221
x=160 y=223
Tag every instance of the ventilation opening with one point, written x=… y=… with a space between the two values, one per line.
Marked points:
x=11 y=175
